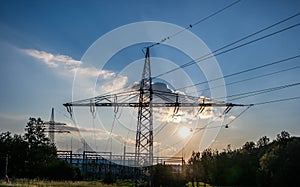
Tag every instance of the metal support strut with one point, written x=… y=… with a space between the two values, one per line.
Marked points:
x=144 y=133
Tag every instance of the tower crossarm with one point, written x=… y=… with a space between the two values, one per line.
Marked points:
x=159 y=99
x=56 y=123
x=52 y=127
x=163 y=104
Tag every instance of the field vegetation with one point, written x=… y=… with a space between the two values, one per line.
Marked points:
x=35 y=183
x=263 y=163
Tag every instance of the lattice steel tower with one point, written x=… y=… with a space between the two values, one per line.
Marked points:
x=145 y=98
x=144 y=132
x=52 y=127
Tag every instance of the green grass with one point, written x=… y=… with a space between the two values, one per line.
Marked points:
x=63 y=183
x=37 y=183
x=201 y=184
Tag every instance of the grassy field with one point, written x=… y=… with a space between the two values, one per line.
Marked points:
x=76 y=184
x=63 y=183
x=201 y=184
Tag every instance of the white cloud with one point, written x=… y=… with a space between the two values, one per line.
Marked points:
x=94 y=72
x=208 y=112
x=72 y=128
x=53 y=60
x=67 y=64
x=183 y=115
x=116 y=84
x=128 y=141
x=100 y=133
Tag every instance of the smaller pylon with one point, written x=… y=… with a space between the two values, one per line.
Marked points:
x=51 y=126
x=51 y=129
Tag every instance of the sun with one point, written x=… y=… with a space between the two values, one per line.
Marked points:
x=184 y=132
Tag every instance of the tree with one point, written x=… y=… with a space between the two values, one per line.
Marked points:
x=13 y=148
x=207 y=158
x=35 y=132
x=195 y=170
x=268 y=164
x=61 y=170
x=5 y=143
x=166 y=175
x=18 y=156
x=32 y=155
x=5 y=137
x=263 y=141
x=249 y=146
x=40 y=151
x=109 y=178
x=283 y=136
x=280 y=165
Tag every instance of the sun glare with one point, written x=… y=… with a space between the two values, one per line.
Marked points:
x=184 y=132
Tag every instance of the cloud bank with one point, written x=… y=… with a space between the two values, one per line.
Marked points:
x=67 y=64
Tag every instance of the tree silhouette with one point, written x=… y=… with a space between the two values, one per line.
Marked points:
x=195 y=170
x=283 y=136
x=267 y=164
x=249 y=146
x=35 y=132
x=32 y=155
x=263 y=141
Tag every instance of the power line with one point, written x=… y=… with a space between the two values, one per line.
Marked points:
x=251 y=78
x=239 y=115
x=210 y=55
x=258 y=92
x=278 y=100
x=214 y=53
x=194 y=24
x=110 y=134
x=186 y=28
x=228 y=50
x=217 y=12
x=243 y=71
x=262 y=103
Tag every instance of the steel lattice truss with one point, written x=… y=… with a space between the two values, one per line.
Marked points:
x=145 y=97
x=52 y=127
x=159 y=99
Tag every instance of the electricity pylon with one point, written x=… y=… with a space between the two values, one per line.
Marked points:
x=144 y=131
x=145 y=98
x=52 y=129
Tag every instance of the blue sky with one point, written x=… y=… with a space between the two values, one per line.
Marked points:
x=32 y=31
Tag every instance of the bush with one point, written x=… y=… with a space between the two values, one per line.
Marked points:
x=60 y=170
x=109 y=178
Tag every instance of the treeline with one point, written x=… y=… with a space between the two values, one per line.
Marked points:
x=263 y=163
x=33 y=156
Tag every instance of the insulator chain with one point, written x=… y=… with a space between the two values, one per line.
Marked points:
x=116 y=108
x=70 y=111
x=92 y=109
x=227 y=109
x=176 y=108
x=201 y=109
